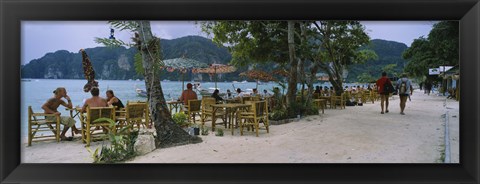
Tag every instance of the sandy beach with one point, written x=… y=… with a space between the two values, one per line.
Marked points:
x=358 y=134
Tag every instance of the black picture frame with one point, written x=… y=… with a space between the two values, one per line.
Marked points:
x=13 y=12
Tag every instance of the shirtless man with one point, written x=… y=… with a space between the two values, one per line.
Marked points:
x=50 y=107
x=95 y=101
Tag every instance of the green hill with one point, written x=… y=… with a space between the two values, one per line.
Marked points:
x=118 y=63
x=388 y=52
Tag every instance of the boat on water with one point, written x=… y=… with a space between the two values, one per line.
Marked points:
x=141 y=92
x=26 y=80
x=244 y=81
x=165 y=80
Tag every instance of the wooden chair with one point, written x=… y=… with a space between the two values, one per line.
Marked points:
x=89 y=132
x=38 y=122
x=257 y=114
x=136 y=113
x=338 y=100
x=193 y=107
x=207 y=111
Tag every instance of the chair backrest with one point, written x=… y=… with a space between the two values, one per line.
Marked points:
x=206 y=102
x=246 y=98
x=194 y=105
x=136 y=110
x=94 y=113
x=261 y=108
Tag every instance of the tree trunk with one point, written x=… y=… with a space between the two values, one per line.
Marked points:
x=292 y=81
x=168 y=132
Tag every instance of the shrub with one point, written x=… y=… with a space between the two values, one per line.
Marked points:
x=219 y=132
x=180 y=118
x=121 y=144
x=278 y=114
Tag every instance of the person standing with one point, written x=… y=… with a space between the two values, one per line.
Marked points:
x=384 y=93
x=404 y=86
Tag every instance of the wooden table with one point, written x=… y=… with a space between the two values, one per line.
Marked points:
x=321 y=103
x=326 y=98
x=231 y=109
x=76 y=109
x=175 y=104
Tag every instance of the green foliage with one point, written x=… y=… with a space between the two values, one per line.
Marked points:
x=181 y=119
x=121 y=144
x=138 y=64
x=365 y=78
x=278 y=114
x=440 y=48
x=219 y=132
x=390 y=69
x=388 y=52
x=204 y=131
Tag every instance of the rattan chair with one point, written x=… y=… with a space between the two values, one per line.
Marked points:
x=193 y=108
x=207 y=111
x=38 y=122
x=136 y=113
x=89 y=132
x=257 y=114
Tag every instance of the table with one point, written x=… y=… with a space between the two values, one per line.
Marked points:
x=231 y=108
x=321 y=103
x=76 y=109
x=231 y=100
x=77 y=112
x=175 y=104
x=326 y=98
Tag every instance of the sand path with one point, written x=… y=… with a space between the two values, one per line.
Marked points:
x=358 y=134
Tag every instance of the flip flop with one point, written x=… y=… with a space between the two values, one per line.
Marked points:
x=381 y=112
x=386 y=111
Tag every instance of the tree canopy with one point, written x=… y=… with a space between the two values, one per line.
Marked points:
x=440 y=48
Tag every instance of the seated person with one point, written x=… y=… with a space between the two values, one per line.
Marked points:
x=113 y=100
x=50 y=107
x=216 y=96
x=255 y=92
x=188 y=94
x=229 y=94
x=266 y=94
x=318 y=90
x=240 y=94
x=95 y=100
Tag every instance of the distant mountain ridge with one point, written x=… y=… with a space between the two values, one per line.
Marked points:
x=118 y=63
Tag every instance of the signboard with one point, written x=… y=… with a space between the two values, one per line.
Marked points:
x=440 y=69
x=433 y=71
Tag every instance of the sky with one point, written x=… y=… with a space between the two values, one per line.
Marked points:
x=41 y=37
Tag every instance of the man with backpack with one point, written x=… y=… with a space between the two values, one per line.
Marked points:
x=384 y=88
x=404 y=86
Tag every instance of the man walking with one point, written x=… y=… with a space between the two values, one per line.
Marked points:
x=404 y=85
x=383 y=82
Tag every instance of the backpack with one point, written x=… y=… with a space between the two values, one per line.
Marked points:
x=388 y=87
x=403 y=87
